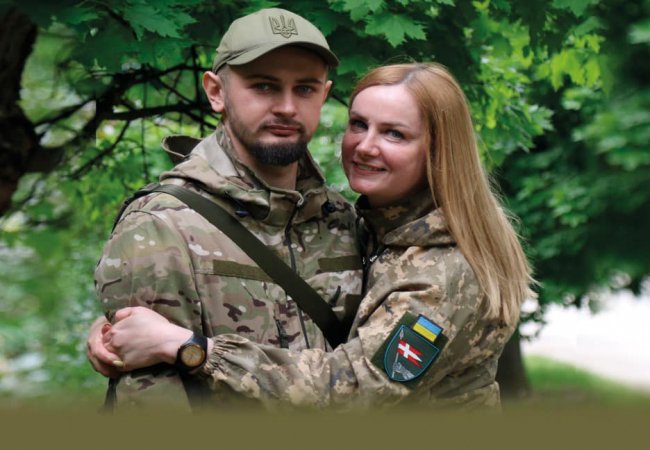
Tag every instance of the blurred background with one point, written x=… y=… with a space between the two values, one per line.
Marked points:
x=559 y=94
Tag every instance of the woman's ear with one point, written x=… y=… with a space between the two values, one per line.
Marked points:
x=213 y=86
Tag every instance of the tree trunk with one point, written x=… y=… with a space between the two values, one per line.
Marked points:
x=18 y=140
x=511 y=374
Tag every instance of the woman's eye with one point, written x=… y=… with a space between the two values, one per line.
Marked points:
x=395 y=134
x=357 y=124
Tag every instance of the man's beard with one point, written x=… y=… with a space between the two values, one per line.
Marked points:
x=279 y=154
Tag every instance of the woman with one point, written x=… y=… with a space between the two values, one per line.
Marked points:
x=445 y=273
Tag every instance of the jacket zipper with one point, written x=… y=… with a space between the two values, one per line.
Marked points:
x=282 y=334
x=292 y=259
x=370 y=251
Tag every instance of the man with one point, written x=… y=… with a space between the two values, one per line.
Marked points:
x=269 y=82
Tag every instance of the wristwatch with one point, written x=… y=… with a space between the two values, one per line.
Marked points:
x=192 y=353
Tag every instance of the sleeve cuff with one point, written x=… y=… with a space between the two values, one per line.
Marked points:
x=222 y=346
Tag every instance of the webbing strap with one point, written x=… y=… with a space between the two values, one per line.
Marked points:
x=302 y=293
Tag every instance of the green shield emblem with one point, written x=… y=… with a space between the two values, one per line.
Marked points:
x=408 y=355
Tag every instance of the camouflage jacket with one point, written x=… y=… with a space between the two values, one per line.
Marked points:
x=417 y=269
x=169 y=258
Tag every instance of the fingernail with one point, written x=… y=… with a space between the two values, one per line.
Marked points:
x=118 y=363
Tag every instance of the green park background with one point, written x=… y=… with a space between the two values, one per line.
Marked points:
x=558 y=89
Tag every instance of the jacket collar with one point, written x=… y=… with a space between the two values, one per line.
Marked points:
x=413 y=222
x=213 y=164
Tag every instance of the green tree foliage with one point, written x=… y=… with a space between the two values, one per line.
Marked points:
x=582 y=190
x=557 y=89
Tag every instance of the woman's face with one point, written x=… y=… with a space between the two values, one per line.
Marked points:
x=384 y=146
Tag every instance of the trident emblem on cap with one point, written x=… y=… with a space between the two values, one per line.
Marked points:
x=284 y=30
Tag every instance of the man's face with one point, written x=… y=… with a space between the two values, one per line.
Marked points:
x=272 y=105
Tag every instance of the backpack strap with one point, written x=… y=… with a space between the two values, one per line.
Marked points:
x=302 y=293
x=146 y=190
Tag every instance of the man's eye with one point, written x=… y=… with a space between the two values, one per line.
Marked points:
x=305 y=90
x=262 y=87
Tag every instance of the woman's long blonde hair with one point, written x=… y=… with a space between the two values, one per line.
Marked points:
x=460 y=186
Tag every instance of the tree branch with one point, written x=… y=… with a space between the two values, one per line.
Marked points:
x=63 y=114
x=18 y=140
x=148 y=112
x=339 y=99
x=197 y=85
x=18 y=205
x=107 y=151
x=20 y=150
x=119 y=19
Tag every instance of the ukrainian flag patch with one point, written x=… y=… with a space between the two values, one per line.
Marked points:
x=427 y=328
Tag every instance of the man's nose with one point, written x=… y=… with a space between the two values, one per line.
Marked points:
x=285 y=104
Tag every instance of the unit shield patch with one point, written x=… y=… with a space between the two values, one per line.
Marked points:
x=409 y=350
x=408 y=355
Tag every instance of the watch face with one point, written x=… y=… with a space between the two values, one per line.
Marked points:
x=192 y=355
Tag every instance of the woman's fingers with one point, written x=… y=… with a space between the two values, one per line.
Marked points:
x=101 y=358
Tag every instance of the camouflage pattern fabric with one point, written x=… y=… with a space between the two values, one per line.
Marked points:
x=418 y=270
x=167 y=257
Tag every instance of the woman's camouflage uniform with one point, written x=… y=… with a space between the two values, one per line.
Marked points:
x=167 y=257
x=418 y=270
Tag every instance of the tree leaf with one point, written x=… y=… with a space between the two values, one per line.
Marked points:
x=577 y=7
x=395 y=27
x=640 y=33
x=588 y=26
x=356 y=65
x=368 y=5
x=327 y=21
x=146 y=17
x=361 y=8
x=77 y=15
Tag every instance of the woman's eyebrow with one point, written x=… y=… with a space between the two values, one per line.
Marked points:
x=354 y=114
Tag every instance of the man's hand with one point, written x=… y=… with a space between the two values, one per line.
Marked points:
x=102 y=360
x=142 y=338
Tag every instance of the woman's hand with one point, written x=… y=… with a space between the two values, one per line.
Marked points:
x=142 y=337
x=102 y=360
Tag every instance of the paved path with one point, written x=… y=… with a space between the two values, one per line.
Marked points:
x=614 y=343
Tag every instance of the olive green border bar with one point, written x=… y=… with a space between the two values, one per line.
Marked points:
x=340 y=263
x=233 y=269
x=594 y=427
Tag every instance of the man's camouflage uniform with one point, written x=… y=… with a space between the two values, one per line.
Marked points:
x=169 y=258
x=419 y=270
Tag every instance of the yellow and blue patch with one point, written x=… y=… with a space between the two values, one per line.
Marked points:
x=426 y=328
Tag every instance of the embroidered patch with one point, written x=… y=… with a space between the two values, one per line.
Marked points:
x=283 y=29
x=409 y=350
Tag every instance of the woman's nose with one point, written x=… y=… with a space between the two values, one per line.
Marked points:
x=368 y=146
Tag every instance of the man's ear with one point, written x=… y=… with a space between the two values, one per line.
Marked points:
x=213 y=86
x=328 y=86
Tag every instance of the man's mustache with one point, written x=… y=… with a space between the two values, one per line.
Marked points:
x=284 y=123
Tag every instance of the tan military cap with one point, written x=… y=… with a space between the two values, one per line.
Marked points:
x=256 y=34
